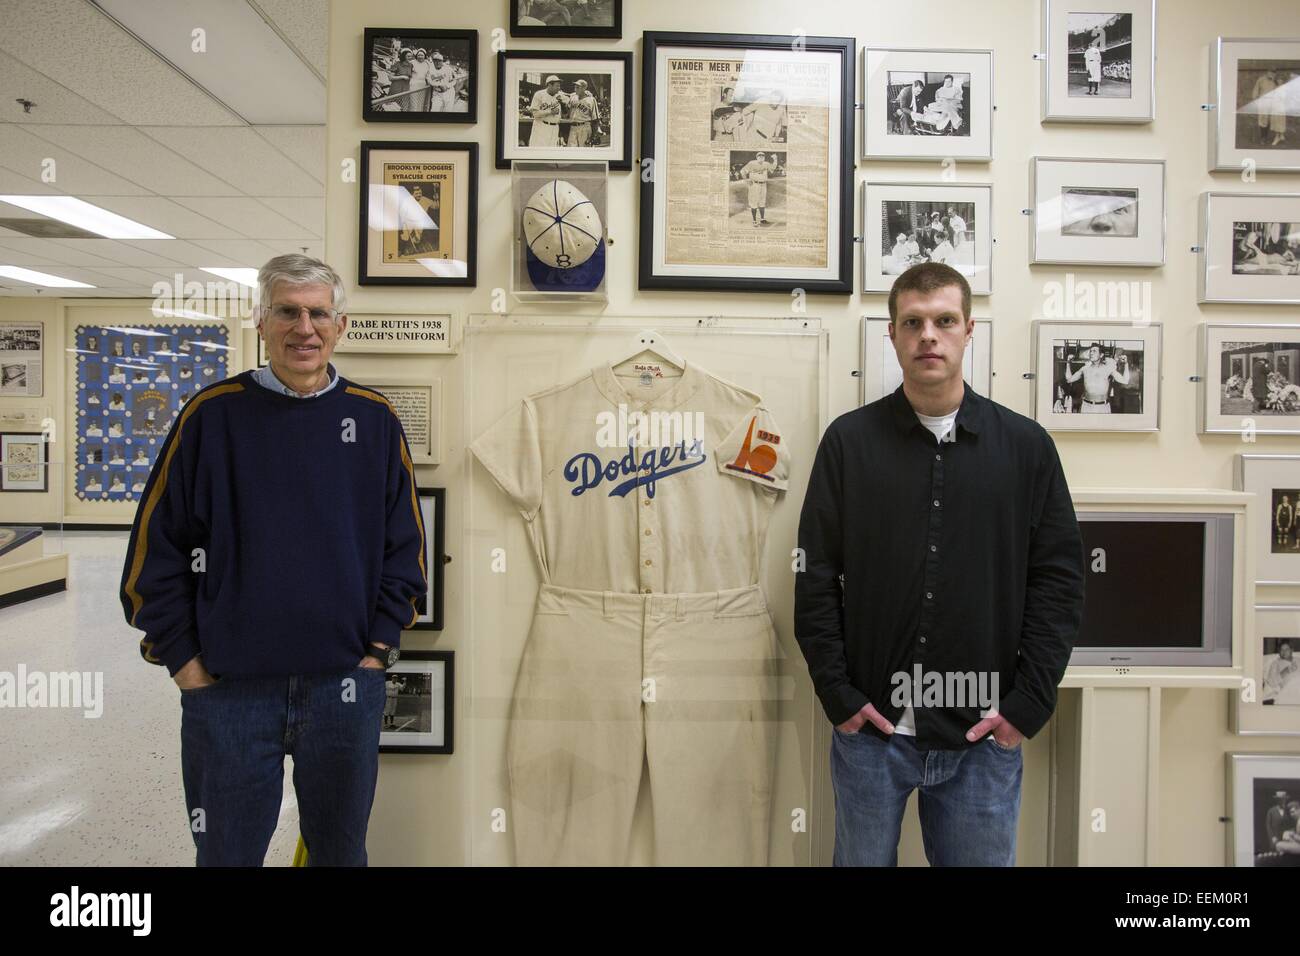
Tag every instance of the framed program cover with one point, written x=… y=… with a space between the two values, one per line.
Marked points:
x=751 y=191
x=1099 y=61
x=881 y=373
x=927 y=104
x=564 y=106
x=1255 y=122
x=1097 y=376
x=420 y=76
x=1249 y=379
x=907 y=223
x=1097 y=212
x=419 y=212
x=1249 y=249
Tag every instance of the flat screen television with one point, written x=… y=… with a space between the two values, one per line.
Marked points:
x=1158 y=589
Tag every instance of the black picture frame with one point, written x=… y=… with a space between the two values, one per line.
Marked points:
x=612 y=32
x=845 y=48
x=615 y=56
x=372 y=115
x=448 y=745
x=435 y=558
x=471 y=164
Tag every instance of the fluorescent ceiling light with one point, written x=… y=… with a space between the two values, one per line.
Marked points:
x=42 y=278
x=241 y=275
x=83 y=215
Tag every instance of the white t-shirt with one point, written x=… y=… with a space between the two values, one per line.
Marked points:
x=942 y=427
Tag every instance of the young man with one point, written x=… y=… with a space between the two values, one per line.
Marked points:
x=940 y=542
x=275 y=559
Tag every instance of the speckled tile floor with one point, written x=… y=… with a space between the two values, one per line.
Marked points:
x=106 y=791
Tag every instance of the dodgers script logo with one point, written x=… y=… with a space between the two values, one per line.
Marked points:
x=588 y=471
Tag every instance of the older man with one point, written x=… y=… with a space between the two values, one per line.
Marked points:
x=275 y=559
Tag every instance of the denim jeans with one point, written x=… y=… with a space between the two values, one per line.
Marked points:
x=234 y=737
x=969 y=801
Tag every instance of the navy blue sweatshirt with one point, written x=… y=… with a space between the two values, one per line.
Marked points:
x=309 y=527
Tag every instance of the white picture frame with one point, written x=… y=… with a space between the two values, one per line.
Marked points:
x=1119 y=98
x=894 y=130
x=1063 y=349
x=1270 y=478
x=881 y=374
x=1253 y=783
x=1273 y=674
x=899 y=206
x=1097 y=212
x=1231 y=267
x=1244 y=125
x=1229 y=353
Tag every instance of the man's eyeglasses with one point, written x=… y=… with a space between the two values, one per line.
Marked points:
x=288 y=314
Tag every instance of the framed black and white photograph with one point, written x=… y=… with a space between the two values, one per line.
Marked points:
x=1275 y=482
x=564 y=106
x=908 y=223
x=1098 y=212
x=1098 y=62
x=21 y=360
x=1249 y=248
x=433 y=512
x=420 y=76
x=714 y=215
x=24 y=462
x=1263 y=810
x=1269 y=701
x=1250 y=379
x=881 y=374
x=927 y=104
x=420 y=704
x=1255 y=91
x=419 y=214
x=597 y=19
x=1097 y=376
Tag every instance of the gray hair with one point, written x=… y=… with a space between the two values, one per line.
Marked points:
x=298 y=269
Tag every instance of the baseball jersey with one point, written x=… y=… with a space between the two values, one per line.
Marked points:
x=755 y=171
x=543 y=100
x=617 y=499
x=583 y=109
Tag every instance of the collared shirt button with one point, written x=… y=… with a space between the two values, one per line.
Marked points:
x=647 y=562
x=938 y=457
x=647 y=532
x=936 y=502
x=933 y=548
x=648 y=502
x=645 y=590
x=922 y=639
x=928 y=594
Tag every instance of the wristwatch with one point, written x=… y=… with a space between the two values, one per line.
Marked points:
x=386 y=656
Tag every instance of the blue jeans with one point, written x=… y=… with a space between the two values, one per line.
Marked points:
x=234 y=737
x=969 y=801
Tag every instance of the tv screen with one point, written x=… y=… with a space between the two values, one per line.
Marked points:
x=1158 y=589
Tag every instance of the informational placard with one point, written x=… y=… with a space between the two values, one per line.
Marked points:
x=419 y=407
x=20 y=360
x=399 y=334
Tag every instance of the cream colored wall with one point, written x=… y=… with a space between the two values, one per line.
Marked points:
x=1194 y=723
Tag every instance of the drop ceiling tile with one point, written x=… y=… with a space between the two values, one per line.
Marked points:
x=122 y=254
x=65 y=251
x=236 y=252
x=305 y=145
x=53 y=102
x=186 y=253
x=137 y=158
x=12 y=183
x=168 y=216
x=241 y=158
x=112 y=69
x=28 y=155
x=305 y=23
x=307 y=213
x=248 y=216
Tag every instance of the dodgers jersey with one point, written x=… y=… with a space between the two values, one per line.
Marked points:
x=615 y=499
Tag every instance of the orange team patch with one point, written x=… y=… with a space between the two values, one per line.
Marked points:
x=756 y=460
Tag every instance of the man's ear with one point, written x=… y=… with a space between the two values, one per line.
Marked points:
x=891 y=330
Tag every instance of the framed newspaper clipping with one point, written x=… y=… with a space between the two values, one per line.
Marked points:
x=419 y=209
x=752 y=189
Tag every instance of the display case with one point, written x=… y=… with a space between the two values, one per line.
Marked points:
x=561 y=217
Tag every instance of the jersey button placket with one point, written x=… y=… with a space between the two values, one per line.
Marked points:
x=649 y=551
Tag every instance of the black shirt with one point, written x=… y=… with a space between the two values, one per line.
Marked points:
x=963 y=557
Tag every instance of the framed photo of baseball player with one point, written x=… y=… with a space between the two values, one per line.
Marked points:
x=1255 y=89
x=1099 y=61
x=564 y=106
x=881 y=373
x=420 y=76
x=907 y=223
x=1275 y=482
x=1249 y=248
x=1249 y=379
x=567 y=18
x=419 y=704
x=752 y=191
x=927 y=104
x=1097 y=376
x=433 y=514
x=1269 y=703
x=419 y=214
x=1097 y=212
